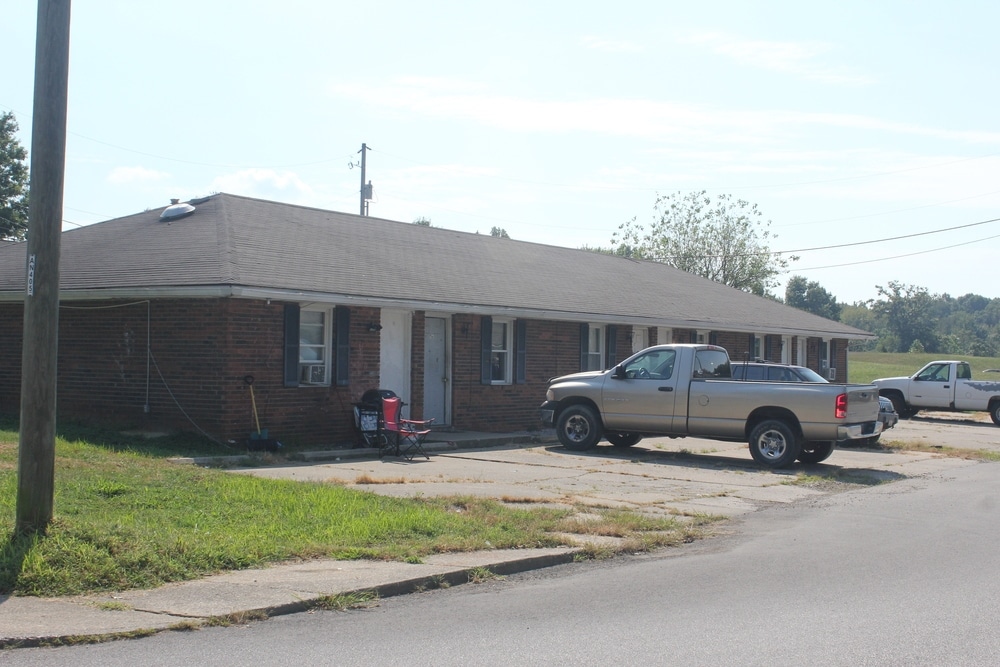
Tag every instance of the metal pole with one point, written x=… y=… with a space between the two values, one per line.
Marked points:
x=40 y=348
x=364 y=150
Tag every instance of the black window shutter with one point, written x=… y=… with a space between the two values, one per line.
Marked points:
x=752 y=340
x=584 y=339
x=486 y=350
x=520 y=362
x=291 y=345
x=612 y=355
x=713 y=338
x=767 y=347
x=342 y=317
x=693 y=337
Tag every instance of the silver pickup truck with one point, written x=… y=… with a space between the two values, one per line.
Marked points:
x=687 y=390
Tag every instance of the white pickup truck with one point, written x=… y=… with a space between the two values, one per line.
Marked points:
x=687 y=390
x=942 y=385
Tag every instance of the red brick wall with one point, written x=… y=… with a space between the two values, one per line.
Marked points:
x=11 y=338
x=202 y=351
x=416 y=405
x=304 y=414
x=553 y=348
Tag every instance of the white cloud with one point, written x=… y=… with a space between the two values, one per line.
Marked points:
x=609 y=45
x=262 y=183
x=800 y=58
x=652 y=120
x=135 y=175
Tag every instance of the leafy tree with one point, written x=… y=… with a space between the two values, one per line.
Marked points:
x=423 y=222
x=13 y=182
x=908 y=319
x=907 y=310
x=724 y=240
x=860 y=316
x=810 y=296
x=499 y=233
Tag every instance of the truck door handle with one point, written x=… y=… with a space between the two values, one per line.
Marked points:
x=664 y=388
x=947 y=386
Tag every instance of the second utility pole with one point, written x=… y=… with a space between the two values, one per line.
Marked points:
x=366 y=191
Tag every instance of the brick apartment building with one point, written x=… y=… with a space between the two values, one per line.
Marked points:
x=166 y=314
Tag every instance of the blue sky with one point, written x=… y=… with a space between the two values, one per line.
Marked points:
x=558 y=121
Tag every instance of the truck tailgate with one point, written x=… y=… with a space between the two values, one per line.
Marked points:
x=862 y=403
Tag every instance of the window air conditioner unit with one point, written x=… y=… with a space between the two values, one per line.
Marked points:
x=831 y=374
x=313 y=374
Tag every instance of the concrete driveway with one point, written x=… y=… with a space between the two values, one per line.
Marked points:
x=659 y=476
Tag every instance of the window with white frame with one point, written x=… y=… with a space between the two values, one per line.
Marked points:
x=595 y=348
x=758 y=346
x=501 y=351
x=314 y=347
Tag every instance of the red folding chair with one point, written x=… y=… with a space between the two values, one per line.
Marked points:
x=406 y=434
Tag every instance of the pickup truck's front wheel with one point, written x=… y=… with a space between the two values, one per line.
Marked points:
x=619 y=439
x=774 y=444
x=578 y=428
x=995 y=412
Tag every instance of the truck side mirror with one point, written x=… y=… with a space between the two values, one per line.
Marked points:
x=619 y=373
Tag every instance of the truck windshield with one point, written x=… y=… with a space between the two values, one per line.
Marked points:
x=934 y=373
x=652 y=365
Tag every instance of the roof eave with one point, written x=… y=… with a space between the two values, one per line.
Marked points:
x=305 y=296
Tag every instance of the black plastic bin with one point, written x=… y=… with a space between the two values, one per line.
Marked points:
x=368 y=417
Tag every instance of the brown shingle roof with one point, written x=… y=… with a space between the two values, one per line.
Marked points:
x=263 y=246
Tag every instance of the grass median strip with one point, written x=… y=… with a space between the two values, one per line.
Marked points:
x=128 y=519
x=953 y=452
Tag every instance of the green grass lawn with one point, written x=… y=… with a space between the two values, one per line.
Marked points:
x=863 y=367
x=132 y=519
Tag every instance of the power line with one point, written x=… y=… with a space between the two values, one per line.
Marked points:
x=857 y=243
x=883 y=259
x=205 y=164
x=891 y=238
x=881 y=213
x=200 y=164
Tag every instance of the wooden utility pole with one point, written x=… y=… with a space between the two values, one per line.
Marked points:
x=37 y=447
x=366 y=189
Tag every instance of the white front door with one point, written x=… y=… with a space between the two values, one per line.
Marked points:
x=394 y=353
x=436 y=369
x=640 y=339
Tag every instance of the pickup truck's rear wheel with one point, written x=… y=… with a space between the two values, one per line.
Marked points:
x=995 y=412
x=578 y=428
x=814 y=452
x=774 y=444
x=623 y=439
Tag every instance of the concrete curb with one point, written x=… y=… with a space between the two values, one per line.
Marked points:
x=440 y=443
x=182 y=605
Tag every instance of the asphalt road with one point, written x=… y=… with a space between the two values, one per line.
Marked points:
x=896 y=574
